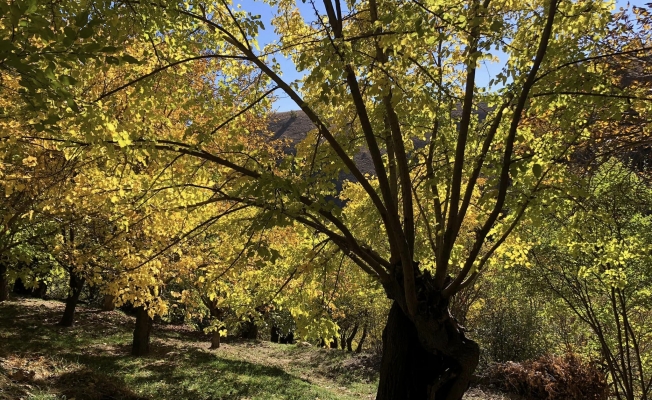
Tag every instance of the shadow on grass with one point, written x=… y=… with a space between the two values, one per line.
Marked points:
x=165 y=331
x=341 y=366
x=86 y=384
x=34 y=329
x=196 y=374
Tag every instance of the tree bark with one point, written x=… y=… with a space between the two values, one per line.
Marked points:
x=76 y=286
x=216 y=314
x=349 y=340
x=108 y=303
x=140 y=345
x=215 y=340
x=424 y=361
x=41 y=291
x=275 y=334
x=20 y=289
x=358 y=348
x=287 y=339
x=4 y=283
x=250 y=330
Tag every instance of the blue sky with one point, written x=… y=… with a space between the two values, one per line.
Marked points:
x=290 y=72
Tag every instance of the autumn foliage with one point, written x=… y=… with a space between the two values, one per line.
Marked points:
x=138 y=162
x=566 y=377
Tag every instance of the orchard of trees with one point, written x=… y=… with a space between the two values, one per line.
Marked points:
x=445 y=219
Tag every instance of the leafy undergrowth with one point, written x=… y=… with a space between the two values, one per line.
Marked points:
x=40 y=360
x=551 y=378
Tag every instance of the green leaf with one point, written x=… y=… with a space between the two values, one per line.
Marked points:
x=72 y=105
x=496 y=25
x=86 y=32
x=513 y=171
x=31 y=6
x=70 y=33
x=67 y=80
x=82 y=19
x=6 y=46
x=537 y=170
x=49 y=71
x=129 y=59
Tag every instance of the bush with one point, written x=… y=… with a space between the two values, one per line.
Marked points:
x=510 y=328
x=551 y=378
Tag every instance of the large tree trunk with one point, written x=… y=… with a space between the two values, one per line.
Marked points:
x=439 y=370
x=140 y=345
x=76 y=286
x=4 y=282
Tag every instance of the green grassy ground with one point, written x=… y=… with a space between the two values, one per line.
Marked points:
x=39 y=360
x=91 y=361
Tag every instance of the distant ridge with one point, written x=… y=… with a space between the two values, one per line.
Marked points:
x=294 y=126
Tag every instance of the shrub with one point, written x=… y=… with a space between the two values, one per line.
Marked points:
x=551 y=378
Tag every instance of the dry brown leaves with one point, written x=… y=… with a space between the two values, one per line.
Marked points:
x=551 y=378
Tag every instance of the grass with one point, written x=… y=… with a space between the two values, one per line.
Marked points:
x=90 y=361
x=40 y=360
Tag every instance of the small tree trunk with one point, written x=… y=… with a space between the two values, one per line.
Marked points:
x=250 y=330
x=409 y=371
x=215 y=340
x=216 y=314
x=334 y=344
x=140 y=345
x=358 y=348
x=76 y=286
x=108 y=303
x=349 y=340
x=289 y=338
x=41 y=291
x=20 y=289
x=4 y=283
x=275 y=335
x=93 y=294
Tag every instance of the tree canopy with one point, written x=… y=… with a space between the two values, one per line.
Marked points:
x=164 y=109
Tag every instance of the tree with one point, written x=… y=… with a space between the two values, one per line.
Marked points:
x=594 y=254
x=39 y=44
x=34 y=179
x=253 y=275
x=455 y=165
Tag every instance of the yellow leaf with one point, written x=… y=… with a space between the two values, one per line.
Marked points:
x=30 y=161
